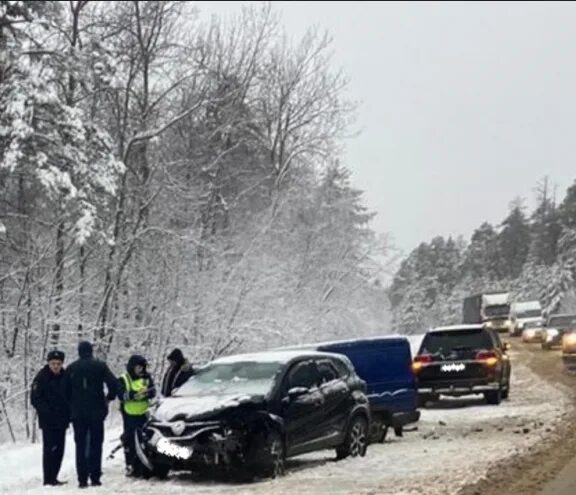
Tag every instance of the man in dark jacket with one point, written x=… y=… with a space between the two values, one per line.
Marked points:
x=48 y=397
x=178 y=372
x=85 y=379
x=136 y=391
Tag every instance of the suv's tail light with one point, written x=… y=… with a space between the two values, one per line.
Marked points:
x=420 y=361
x=489 y=358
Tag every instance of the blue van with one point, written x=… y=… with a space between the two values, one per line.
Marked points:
x=385 y=364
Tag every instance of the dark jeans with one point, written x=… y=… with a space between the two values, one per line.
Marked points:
x=131 y=424
x=53 y=441
x=89 y=437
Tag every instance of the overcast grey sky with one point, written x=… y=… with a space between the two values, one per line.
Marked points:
x=464 y=105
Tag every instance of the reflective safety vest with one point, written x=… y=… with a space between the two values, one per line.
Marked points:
x=135 y=407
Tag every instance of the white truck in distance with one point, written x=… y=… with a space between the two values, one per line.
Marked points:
x=496 y=311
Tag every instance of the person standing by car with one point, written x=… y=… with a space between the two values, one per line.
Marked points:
x=48 y=397
x=85 y=379
x=177 y=373
x=136 y=391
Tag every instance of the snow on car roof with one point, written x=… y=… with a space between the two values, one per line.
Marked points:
x=457 y=327
x=269 y=356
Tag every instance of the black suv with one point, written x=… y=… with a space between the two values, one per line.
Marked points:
x=462 y=360
x=246 y=414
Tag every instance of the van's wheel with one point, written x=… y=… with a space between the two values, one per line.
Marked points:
x=267 y=456
x=356 y=441
x=399 y=431
x=383 y=433
x=493 y=397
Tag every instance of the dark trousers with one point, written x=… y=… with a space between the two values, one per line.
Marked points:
x=53 y=441
x=89 y=437
x=131 y=425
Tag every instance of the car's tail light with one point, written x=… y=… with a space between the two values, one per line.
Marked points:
x=421 y=361
x=488 y=358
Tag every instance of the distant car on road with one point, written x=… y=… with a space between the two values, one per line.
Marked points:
x=569 y=349
x=248 y=413
x=533 y=331
x=556 y=326
x=461 y=360
x=522 y=314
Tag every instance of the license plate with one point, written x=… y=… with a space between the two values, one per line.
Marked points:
x=453 y=368
x=172 y=450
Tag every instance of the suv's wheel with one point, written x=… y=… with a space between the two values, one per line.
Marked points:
x=423 y=400
x=493 y=397
x=506 y=392
x=160 y=471
x=267 y=458
x=356 y=441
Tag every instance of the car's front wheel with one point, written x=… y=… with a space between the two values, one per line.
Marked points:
x=268 y=456
x=356 y=441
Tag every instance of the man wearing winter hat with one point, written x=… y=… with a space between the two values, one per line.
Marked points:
x=85 y=379
x=48 y=397
x=136 y=391
x=178 y=372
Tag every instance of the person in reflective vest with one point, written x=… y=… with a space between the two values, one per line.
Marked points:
x=136 y=391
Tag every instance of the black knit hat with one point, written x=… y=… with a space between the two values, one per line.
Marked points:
x=176 y=356
x=56 y=356
x=85 y=349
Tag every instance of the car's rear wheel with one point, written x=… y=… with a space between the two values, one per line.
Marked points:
x=506 y=392
x=356 y=441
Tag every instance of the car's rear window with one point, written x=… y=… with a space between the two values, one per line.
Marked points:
x=442 y=342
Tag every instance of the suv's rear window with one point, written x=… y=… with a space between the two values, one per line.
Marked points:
x=442 y=342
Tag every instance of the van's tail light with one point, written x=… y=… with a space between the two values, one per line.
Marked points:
x=488 y=358
x=421 y=361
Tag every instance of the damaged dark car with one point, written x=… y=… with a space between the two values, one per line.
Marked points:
x=247 y=414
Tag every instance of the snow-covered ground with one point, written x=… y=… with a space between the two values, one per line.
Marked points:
x=455 y=444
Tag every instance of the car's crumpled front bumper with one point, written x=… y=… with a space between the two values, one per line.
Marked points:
x=209 y=443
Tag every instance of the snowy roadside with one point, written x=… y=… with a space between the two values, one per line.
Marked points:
x=455 y=444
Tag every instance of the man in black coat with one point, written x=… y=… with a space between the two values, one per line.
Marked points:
x=178 y=372
x=48 y=397
x=85 y=379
